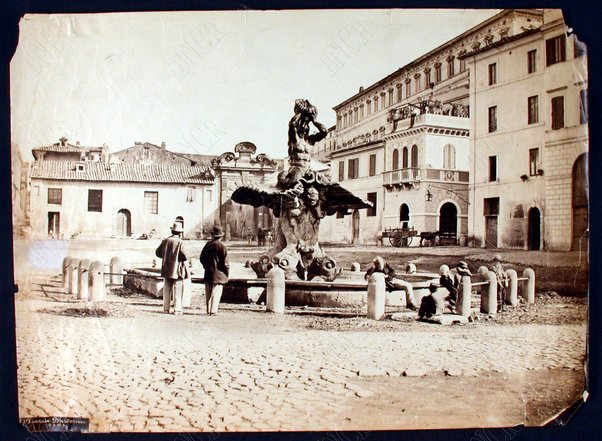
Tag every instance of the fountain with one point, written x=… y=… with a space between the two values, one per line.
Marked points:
x=301 y=198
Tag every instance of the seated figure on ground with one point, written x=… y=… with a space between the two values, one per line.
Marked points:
x=391 y=280
x=431 y=304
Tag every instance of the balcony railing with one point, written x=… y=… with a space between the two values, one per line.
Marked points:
x=409 y=176
x=401 y=176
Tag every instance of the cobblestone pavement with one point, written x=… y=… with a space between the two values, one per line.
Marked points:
x=249 y=371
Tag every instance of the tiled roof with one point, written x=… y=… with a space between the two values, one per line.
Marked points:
x=198 y=158
x=67 y=148
x=121 y=172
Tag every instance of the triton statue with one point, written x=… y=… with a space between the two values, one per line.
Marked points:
x=300 y=199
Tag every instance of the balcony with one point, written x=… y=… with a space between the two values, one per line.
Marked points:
x=402 y=177
x=410 y=177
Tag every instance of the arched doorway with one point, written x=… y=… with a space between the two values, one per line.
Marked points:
x=124 y=223
x=579 y=201
x=355 y=226
x=448 y=219
x=534 y=231
x=404 y=215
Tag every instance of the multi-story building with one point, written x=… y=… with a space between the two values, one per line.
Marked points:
x=403 y=142
x=528 y=139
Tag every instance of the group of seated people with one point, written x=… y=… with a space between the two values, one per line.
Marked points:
x=436 y=302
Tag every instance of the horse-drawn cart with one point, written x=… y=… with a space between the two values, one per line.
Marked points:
x=402 y=237
x=399 y=237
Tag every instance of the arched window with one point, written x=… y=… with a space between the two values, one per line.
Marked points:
x=449 y=157
x=414 y=156
x=404 y=215
x=405 y=157
x=395 y=159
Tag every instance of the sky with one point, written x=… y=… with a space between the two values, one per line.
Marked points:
x=203 y=81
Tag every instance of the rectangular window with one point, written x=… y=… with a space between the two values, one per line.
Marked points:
x=355 y=115
x=533 y=161
x=191 y=193
x=151 y=202
x=398 y=93
x=532 y=61
x=408 y=89
x=55 y=196
x=583 y=119
x=462 y=65
x=209 y=194
x=491 y=206
x=556 y=50
x=493 y=119
x=340 y=215
x=492 y=168
x=95 y=200
x=492 y=74
x=362 y=111
x=417 y=83
x=382 y=101
x=372 y=210
x=450 y=69
x=557 y=112
x=427 y=80
x=533 y=110
x=373 y=165
x=375 y=104
x=354 y=166
x=438 y=74
x=341 y=170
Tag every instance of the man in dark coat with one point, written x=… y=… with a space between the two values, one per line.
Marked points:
x=174 y=258
x=214 y=258
x=432 y=304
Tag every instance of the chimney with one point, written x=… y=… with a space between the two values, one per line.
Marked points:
x=77 y=143
x=163 y=145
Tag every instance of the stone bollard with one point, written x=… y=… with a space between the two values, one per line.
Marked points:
x=512 y=291
x=489 y=295
x=376 y=296
x=464 y=297
x=97 y=289
x=355 y=267
x=66 y=262
x=73 y=275
x=83 y=279
x=483 y=270
x=116 y=267
x=528 y=291
x=275 y=290
x=186 y=293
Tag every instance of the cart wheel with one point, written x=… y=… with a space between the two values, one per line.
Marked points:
x=396 y=241
x=407 y=241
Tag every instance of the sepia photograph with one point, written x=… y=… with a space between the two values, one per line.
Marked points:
x=300 y=220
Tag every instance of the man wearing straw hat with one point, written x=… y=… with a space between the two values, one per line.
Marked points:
x=173 y=268
x=214 y=259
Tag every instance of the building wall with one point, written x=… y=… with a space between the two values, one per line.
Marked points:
x=151 y=154
x=75 y=217
x=563 y=146
x=518 y=191
x=333 y=229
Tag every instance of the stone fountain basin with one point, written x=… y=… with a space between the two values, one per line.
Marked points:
x=349 y=290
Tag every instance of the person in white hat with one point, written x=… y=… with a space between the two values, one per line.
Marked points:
x=214 y=258
x=173 y=268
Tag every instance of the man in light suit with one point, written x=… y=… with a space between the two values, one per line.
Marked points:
x=174 y=259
